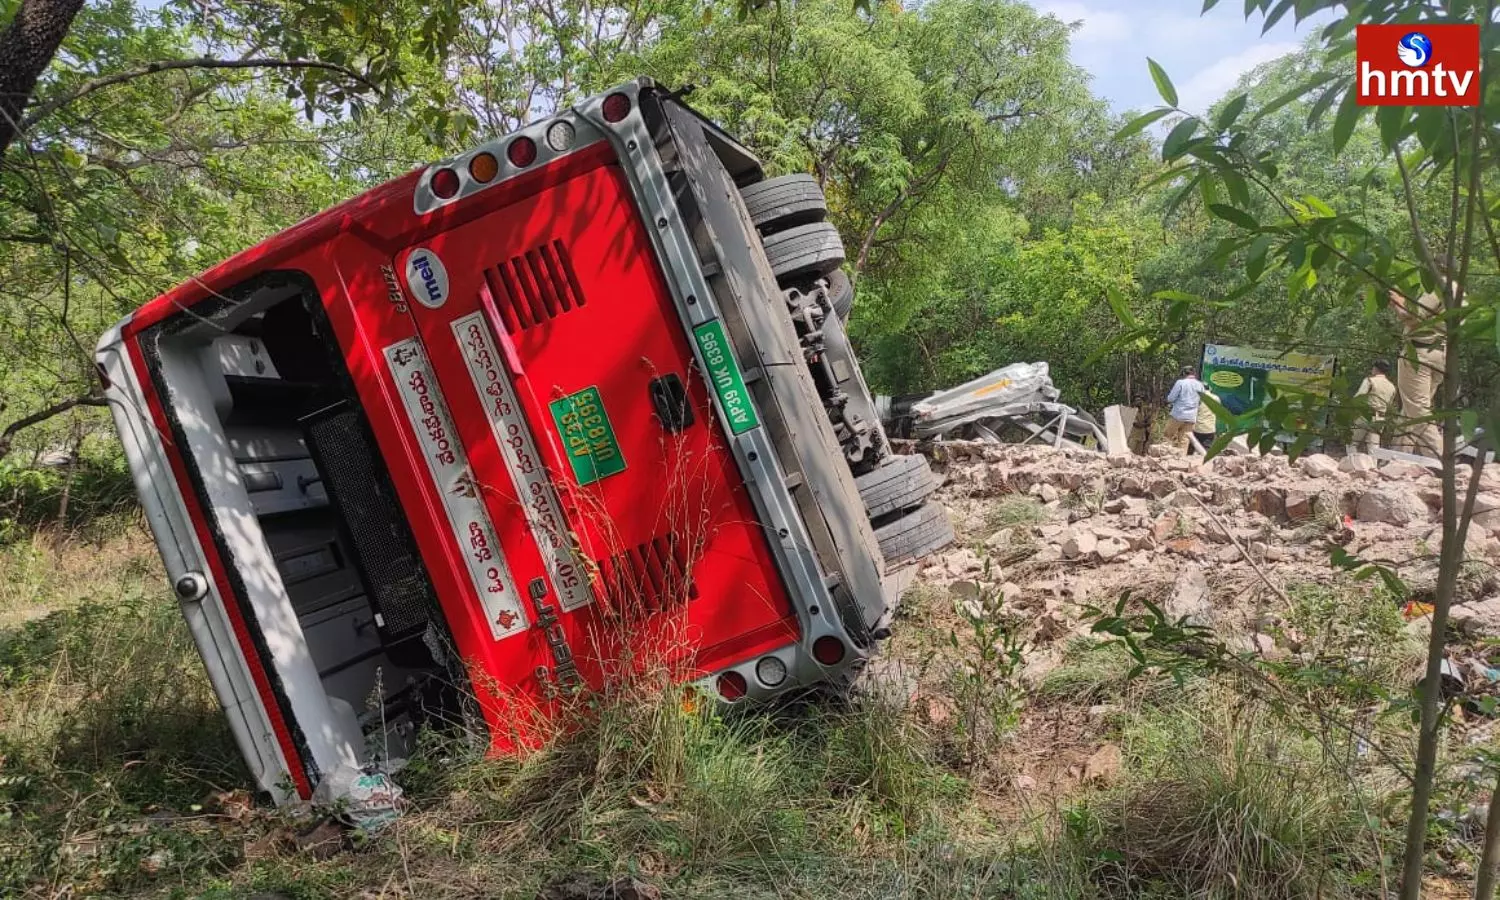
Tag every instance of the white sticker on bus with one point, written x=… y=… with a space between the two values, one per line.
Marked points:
x=533 y=487
x=449 y=468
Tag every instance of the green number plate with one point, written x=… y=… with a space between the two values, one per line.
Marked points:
x=725 y=375
x=587 y=435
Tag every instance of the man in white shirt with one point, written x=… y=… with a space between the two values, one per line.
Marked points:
x=1182 y=403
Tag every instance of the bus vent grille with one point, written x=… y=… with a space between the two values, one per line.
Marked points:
x=656 y=575
x=535 y=287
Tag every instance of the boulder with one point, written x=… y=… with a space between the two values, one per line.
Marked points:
x=1180 y=499
x=1161 y=487
x=1080 y=544
x=1299 y=506
x=1132 y=485
x=1401 y=470
x=1189 y=598
x=1104 y=766
x=1480 y=618
x=1268 y=501
x=1165 y=526
x=1317 y=465
x=1392 y=504
x=1111 y=547
x=1358 y=462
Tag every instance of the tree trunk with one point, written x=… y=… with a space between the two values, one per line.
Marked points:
x=1489 y=863
x=27 y=46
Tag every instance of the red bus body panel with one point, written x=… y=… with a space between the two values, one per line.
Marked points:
x=670 y=551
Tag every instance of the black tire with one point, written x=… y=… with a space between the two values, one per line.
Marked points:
x=920 y=532
x=900 y=482
x=804 y=253
x=777 y=204
x=840 y=293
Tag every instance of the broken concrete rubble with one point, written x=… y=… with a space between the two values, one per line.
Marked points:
x=1135 y=524
x=1392 y=504
x=1190 y=599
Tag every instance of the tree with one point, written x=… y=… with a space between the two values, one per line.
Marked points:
x=27 y=45
x=1442 y=160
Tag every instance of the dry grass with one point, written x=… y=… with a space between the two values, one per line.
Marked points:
x=110 y=743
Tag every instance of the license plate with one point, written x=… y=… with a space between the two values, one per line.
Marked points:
x=724 y=375
x=588 y=436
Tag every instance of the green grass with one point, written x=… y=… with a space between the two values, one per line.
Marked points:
x=1014 y=509
x=111 y=744
x=1222 y=802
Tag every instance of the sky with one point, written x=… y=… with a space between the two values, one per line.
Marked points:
x=1204 y=55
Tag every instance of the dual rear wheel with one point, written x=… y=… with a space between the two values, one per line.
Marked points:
x=806 y=254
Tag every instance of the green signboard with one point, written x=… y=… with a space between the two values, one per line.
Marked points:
x=587 y=436
x=1243 y=377
x=724 y=375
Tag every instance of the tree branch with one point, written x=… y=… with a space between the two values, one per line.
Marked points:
x=8 y=435
x=167 y=65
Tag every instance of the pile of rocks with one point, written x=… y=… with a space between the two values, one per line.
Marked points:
x=1203 y=538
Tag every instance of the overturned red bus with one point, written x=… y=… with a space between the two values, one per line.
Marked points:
x=510 y=424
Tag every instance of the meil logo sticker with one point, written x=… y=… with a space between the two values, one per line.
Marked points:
x=426 y=278
x=1417 y=65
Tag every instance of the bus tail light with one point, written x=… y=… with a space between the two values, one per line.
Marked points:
x=732 y=686
x=828 y=650
x=484 y=167
x=615 y=107
x=445 y=184
x=521 y=152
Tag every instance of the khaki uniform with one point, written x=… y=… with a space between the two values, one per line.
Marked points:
x=1419 y=373
x=1379 y=393
x=1177 y=433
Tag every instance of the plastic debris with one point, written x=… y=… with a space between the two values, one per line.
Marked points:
x=365 y=798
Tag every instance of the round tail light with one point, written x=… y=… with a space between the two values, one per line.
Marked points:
x=732 y=686
x=521 y=152
x=615 y=107
x=828 y=650
x=770 y=670
x=444 y=183
x=560 y=136
x=484 y=167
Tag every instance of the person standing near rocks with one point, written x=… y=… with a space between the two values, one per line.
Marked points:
x=1182 y=412
x=1378 y=393
x=1207 y=423
x=1419 y=371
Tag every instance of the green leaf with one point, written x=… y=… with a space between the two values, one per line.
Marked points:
x=1230 y=112
x=1255 y=262
x=1140 y=123
x=1346 y=118
x=1295 y=93
x=1180 y=296
x=1320 y=106
x=1275 y=15
x=1239 y=190
x=1392 y=121
x=1121 y=307
x=1177 y=139
x=1208 y=5
x=1163 y=83
x=1236 y=216
x=1316 y=205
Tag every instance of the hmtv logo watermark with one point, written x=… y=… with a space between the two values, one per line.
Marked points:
x=1417 y=65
